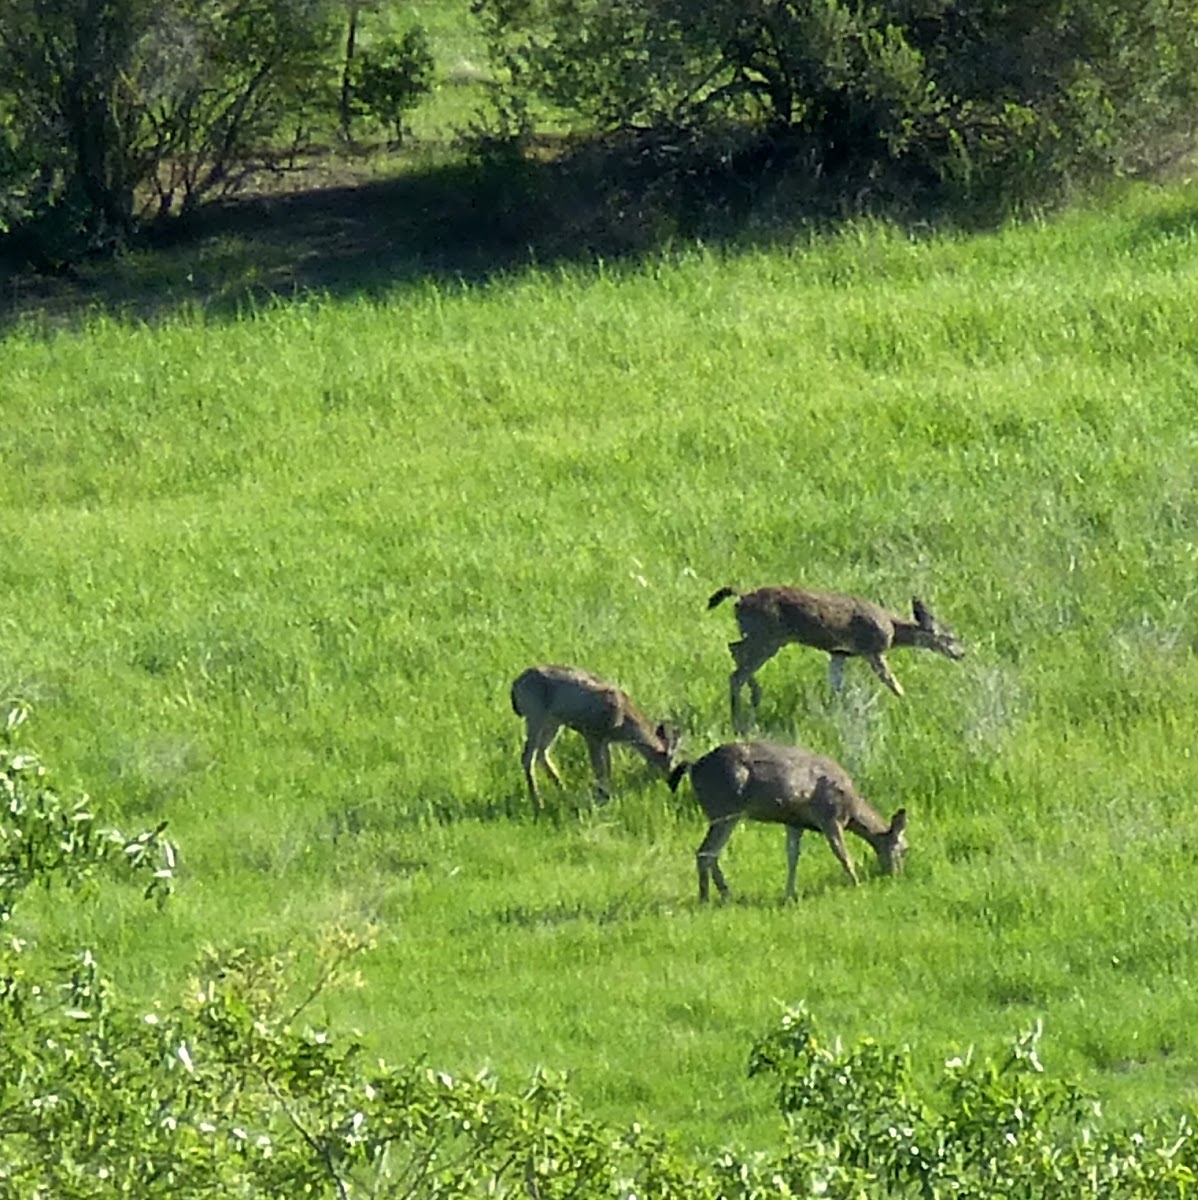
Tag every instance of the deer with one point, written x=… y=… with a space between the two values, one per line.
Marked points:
x=785 y=785
x=549 y=697
x=843 y=626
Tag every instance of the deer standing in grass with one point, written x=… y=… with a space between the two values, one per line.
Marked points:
x=760 y=781
x=549 y=697
x=843 y=626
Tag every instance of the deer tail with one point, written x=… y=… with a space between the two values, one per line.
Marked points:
x=720 y=596
x=675 y=777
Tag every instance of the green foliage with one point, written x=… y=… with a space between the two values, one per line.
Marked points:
x=48 y=842
x=1010 y=101
x=228 y=1091
x=112 y=108
x=389 y=78
x=859 y=1124
x=234 y=87
x=223 y=1093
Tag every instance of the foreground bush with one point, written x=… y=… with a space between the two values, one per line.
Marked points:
x=985 y=1128
x=48 y=841
x=229 y=1094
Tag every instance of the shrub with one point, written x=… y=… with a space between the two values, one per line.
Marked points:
x=1014 y=100
x=859 y=1125
x=48 y=841
x=388 y=80
x=110 y=107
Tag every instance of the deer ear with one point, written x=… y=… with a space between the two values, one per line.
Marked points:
x=920 y=611
x=899 y=823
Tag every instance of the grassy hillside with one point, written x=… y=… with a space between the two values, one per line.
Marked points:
x=270 y=578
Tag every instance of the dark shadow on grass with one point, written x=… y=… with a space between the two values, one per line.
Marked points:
x=458 y=222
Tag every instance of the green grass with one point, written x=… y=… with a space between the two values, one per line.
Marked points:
x=270 y=578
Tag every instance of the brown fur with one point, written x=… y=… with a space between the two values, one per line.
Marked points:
x=550 y=697
x=842 y=626
x=761 y=781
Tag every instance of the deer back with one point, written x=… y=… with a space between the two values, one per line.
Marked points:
x=825 y=620
x=572 y=697
x=592 y=706
x=766 y=782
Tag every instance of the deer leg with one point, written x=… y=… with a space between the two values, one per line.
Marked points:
x=836 y=840
x=544 y=756
x=836 y=671
x=536 y=746
x=527 y=761
x=600 y=753
x=794 y=839
x=882 y=667
x=735 y=682
x=749 y=657
x=708 y=857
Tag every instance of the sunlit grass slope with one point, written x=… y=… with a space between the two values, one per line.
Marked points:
x=271 y=578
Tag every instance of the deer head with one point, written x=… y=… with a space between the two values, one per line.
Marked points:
x=933 y=635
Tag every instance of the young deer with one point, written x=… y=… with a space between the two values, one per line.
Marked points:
x=549 y=697
x=760 y=781
x=844 y=626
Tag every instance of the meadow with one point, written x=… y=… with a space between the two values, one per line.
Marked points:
x=269 y=576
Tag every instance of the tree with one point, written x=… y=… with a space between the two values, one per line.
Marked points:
x=74 y=141
x=232 y=75
x=385 y=80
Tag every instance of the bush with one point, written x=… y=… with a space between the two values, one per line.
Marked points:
x=389 y=79
x=858 y=1125
x=112 y=108
x=47 y=841
x=1004 y=102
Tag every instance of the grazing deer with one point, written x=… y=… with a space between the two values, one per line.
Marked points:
x=844 y=626
x=549 y=697
x=760 y=781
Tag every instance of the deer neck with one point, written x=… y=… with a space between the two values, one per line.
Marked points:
x=654 y=752
x=908 y=633
x=635 y=731
x=866 y=822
